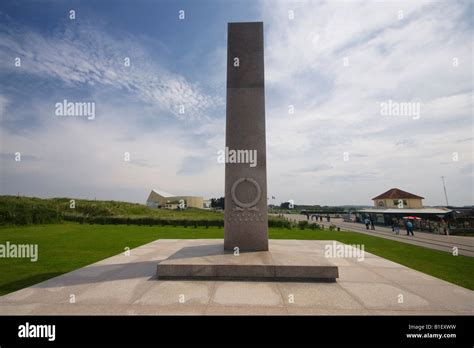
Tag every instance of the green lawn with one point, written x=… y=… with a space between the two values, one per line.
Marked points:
x=68 y=246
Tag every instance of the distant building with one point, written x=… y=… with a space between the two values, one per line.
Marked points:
x=394 y=206
x=206 y=204
x=162 y=199
x=396 y=198
x=464 y=219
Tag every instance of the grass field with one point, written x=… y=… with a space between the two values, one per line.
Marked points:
x=68 y=246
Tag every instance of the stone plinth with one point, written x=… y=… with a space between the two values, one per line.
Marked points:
x=213 y=262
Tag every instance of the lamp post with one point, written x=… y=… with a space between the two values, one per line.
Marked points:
x=445 y=194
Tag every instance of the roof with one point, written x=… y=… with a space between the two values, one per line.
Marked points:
x=395 y=193
x=163 y=193
x=406 y=211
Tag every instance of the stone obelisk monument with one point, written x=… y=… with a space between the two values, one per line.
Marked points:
x=246 y=225
x=246 y=222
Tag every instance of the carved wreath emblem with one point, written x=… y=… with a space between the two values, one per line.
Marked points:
x=250 y=205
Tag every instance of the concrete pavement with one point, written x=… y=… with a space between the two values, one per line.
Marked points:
x=127 y=285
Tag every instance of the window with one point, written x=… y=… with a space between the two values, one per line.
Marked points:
x=381 y=203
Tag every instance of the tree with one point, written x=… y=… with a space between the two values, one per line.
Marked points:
x=218 y=202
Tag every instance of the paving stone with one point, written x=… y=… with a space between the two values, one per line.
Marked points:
x=172 y=292
x=323 y=296
x=386 y=296
x=246 y=294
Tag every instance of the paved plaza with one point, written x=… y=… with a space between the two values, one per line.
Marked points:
x=127 y=285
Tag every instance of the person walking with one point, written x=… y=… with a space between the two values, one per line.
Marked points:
x=367 y=223
x=410 y=228
x=372 y=227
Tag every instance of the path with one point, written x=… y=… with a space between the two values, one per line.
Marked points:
x=465 y=245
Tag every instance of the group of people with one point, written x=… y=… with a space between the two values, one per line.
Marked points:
x=369 y=223
x=408 y=226
x=319 y=217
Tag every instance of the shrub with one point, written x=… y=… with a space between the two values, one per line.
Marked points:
x=280 y=223
x=25 y=211
x=303 y=224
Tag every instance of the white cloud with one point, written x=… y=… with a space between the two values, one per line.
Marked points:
x=337 y=108
x=88 y=56
x=82 y=158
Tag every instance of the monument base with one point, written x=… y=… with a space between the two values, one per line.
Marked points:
x=287 y=260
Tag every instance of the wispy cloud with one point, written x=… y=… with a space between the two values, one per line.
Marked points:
x=87 y=56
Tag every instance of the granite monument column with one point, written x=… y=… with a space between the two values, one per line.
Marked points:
x=246 y=222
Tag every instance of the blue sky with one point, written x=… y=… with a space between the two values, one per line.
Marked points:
x=334 y=62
